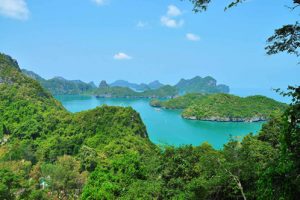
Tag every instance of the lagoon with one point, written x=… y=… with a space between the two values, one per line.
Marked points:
x=167 y=126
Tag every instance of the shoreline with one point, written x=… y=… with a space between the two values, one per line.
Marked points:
x=222 y=119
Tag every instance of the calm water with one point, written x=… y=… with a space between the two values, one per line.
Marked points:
x=167 y=126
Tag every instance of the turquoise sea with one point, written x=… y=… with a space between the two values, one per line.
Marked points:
x=167 y=126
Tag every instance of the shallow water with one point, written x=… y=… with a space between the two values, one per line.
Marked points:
x=167 y=126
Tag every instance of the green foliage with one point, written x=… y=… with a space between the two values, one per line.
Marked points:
x=164 y=91
x=108 y=92
x=113 y=92
x=40 y=132
x=180 y=102
x=189 y=172
x=105 y=153
x=9 y=184
x=223 y=107
x=285 y=39
x=63 y=178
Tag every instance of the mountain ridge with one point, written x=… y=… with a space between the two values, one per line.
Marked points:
x=61 y=86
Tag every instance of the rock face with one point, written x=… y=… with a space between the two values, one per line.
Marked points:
x=227 y=119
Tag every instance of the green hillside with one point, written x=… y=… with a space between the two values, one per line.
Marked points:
x=223 y=107
x=48 y=153
x=40 y=139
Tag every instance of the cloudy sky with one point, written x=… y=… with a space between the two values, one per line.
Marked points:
x=142 y=40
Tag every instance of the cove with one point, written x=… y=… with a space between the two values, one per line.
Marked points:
x=167 y=126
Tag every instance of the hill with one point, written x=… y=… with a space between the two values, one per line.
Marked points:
x=40 y=140
x=60 y=86
x=197 y=84
x=154 y=85
x=223 y=107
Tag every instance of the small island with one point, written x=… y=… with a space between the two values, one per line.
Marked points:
x=223 y=107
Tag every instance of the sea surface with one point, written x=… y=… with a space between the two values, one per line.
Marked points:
x=167 y=126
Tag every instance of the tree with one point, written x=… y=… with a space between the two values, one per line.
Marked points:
x=64 y=177
x=9 y=184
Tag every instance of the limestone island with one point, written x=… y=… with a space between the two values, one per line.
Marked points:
x=223 y=107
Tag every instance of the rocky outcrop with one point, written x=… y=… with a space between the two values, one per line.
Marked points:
x=103 y=84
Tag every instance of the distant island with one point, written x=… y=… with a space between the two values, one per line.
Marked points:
x=223 y=107
x=106 y=91
x=125 y=89
x=138 y=87
x=61 y=86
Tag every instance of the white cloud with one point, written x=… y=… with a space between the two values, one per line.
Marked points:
x=192 y=37
x=99 y=2
x=122 y=56
x=170 y=19
x=16 y=9
x=173 y=11
x=171 y=23
x=142 y=24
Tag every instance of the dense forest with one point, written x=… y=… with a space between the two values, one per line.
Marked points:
x=49 y=153
x=223 y=107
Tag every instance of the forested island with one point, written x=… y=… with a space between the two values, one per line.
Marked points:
x=106 y=91
x=125 y=89
x=60 y=85
x=223 y=107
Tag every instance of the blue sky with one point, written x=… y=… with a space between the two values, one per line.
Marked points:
x=142 y=40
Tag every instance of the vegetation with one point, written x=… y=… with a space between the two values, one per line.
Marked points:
x=109 y=148
x=180 y=102
x=223 y=107
x=137 y=87
x=165 y=91
x=206 y=85
x=108 y=92
x=157 y=90
x=60 y=86
x=49 y=153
